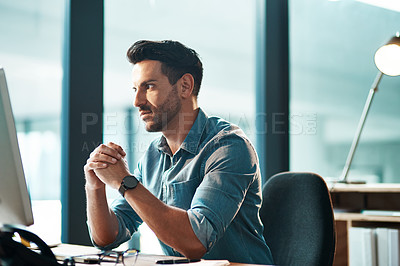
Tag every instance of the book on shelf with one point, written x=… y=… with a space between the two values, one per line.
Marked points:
x=374 y=246
x=387 y=246
x=362 y=243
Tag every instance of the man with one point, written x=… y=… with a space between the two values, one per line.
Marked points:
x=197 y=187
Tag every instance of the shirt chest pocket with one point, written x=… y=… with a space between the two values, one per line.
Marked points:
x=182 y=193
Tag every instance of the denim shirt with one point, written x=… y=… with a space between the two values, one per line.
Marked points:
x=215 y=177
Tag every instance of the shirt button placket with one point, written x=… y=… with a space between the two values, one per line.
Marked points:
x=165 y=192
x=164 y=181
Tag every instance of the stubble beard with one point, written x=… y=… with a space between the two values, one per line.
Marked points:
x=165 y=113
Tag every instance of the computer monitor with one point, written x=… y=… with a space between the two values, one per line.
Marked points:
x=15 y=204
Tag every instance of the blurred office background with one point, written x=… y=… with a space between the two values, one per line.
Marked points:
x=332 y=44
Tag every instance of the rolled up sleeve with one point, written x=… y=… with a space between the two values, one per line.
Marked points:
x=229 y=171
x=202 y=228
x=128 y=223
x=123 y=235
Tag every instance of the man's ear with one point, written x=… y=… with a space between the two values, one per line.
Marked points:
x=187 y=85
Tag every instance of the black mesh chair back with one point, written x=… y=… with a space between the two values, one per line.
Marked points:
x=298 y=219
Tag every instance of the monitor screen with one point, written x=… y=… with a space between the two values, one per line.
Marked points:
x=15 y=204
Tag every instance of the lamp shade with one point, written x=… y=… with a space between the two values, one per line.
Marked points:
x=387 y=58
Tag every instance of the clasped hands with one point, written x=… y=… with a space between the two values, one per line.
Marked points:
x=106 y=165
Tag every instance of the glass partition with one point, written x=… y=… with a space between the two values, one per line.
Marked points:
x=332 y=47
x=30 y=52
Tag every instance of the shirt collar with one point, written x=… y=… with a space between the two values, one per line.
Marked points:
x=193 y=138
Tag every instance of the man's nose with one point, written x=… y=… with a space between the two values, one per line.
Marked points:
x=140 y=98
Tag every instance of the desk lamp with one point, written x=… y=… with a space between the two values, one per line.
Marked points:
x=387 y=60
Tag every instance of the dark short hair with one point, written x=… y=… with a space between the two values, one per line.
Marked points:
x=176 y=59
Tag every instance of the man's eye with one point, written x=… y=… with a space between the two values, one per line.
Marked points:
x=149 y=86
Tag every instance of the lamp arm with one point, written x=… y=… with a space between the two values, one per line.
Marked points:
x=360 y=127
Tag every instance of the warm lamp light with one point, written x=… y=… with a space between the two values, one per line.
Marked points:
x=387 y=60
x=387 y=57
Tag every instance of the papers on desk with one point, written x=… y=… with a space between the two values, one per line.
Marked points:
x=66 y=251
x=69 y=250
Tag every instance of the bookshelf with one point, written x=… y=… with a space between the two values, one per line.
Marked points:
x=349 y=200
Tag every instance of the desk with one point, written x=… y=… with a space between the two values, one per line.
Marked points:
x=142 y=260
x=348 y=200
x=365 y=196
x=75 y=250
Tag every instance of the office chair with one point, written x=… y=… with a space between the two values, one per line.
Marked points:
x=298 y=219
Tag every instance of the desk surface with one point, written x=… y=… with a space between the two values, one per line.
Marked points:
x=364 y=188
x=380 y=196
x=142 y=260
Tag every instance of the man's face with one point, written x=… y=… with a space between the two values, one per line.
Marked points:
x=158 y=101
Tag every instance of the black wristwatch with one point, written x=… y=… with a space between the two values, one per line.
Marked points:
x=129 y=182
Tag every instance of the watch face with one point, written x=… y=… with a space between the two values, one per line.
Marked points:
x=130 y=182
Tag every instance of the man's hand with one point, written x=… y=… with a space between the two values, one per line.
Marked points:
x=103 y=157
x=117 y=166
